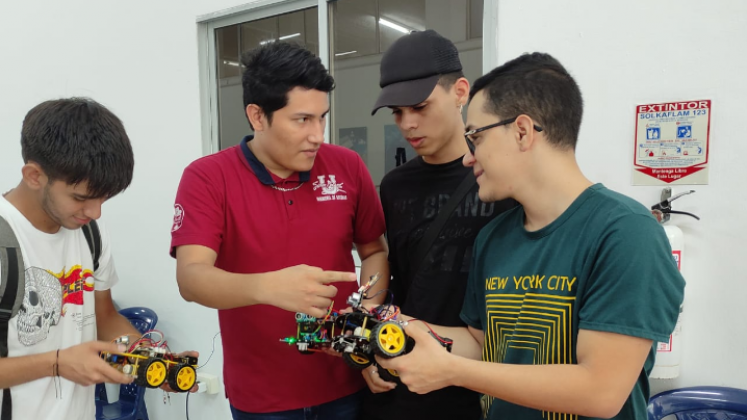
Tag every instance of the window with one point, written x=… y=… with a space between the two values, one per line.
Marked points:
x=350 y=37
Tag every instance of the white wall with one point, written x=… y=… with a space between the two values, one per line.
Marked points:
x=140 y=59
x=638 y=52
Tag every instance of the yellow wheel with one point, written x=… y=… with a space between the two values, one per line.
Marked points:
x=356 y=361
x=182 y=378
x=390 y=339
x=151 y=374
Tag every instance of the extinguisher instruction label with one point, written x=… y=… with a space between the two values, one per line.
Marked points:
x=678 y=258
x=669 y=352
x=672 y=143
x=665 y=347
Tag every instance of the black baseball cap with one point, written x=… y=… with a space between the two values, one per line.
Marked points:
x=411 y=67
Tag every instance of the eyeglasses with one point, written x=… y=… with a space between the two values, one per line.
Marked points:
x=470 y=133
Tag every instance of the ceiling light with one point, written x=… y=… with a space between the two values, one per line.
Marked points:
x=284 y=37
x=395 y=26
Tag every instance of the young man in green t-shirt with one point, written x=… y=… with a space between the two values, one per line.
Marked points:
x=568 y=293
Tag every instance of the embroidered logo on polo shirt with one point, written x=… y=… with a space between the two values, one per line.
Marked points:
x=330 y=189
x=178 y=217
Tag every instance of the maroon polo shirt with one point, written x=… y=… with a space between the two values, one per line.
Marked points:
x=225 y=202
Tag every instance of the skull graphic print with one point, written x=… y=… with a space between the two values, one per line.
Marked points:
x=41 y=308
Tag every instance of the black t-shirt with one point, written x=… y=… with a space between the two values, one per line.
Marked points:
x=412 y=195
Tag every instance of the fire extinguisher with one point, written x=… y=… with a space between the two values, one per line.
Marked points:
x=669 y=354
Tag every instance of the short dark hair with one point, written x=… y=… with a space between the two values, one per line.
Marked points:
x=447 y=80
x=539 y=86
x=274 y=69
x=76 y=140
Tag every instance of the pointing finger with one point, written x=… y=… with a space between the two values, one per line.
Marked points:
x=335 y=276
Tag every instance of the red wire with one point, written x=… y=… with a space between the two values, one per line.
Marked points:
x=138 y=342
x=438 y=337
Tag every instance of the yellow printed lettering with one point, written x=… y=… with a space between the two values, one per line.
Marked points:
x=516 y=282
x=496 y=283
x=570 y=284
x=552 y=285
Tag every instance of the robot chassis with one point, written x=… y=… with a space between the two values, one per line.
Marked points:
x=359 y=334
x=152 y=365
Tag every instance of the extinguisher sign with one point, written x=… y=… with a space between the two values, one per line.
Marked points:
x=677 y=254
x=671 y=143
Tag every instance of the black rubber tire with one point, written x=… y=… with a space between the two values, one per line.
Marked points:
x=174 y=378
x=349 y=359
x=389 y=375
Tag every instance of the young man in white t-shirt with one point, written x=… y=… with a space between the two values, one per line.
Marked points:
x=76 y=156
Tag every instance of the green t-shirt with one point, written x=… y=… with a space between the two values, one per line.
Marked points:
x=605 y=265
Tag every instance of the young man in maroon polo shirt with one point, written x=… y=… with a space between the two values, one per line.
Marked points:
x=265 y=228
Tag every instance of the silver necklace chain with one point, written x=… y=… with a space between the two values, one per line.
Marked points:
x=286 y=189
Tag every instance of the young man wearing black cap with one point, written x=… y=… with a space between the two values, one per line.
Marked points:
x=431 y=209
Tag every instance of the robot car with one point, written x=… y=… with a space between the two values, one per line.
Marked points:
x=359 y=334
x=151 y=365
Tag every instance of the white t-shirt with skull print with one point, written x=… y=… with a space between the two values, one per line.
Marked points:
x=57 y=312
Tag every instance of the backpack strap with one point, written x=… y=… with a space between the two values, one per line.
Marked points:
x=12 y=287
x=13 y=280
x=93 y=237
